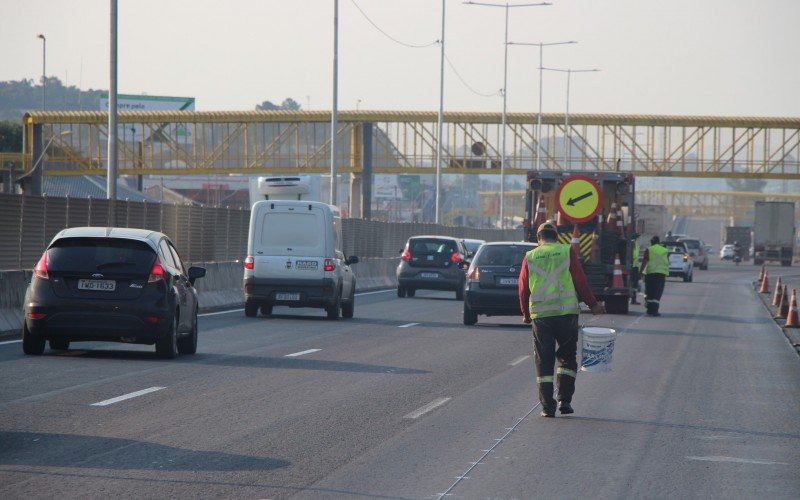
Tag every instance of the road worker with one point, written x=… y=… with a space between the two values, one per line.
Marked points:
x=550 y=282
x=655 y=266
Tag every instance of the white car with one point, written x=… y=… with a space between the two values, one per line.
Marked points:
x=680 y=263
x=726 y=253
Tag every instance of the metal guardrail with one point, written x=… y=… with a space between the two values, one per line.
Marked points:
x=201 y=234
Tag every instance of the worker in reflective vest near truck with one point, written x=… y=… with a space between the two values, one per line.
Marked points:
x=655 y=266
x=550 y=283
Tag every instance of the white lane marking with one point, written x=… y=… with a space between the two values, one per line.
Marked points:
x=240 y=309
x=11 y=342
x=737 y=460
x=220 y=312
x=519 y=360
x=377 y=291
x=407 y=325
x=127 y=396
x=428 y=407
x=294 y=355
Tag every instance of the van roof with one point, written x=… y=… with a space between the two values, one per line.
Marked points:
x=296 y=203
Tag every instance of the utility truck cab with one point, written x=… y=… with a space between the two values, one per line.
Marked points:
x=295 y=259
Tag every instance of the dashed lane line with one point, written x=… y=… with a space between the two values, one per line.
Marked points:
x=737 y=460
x=127 y=396
x=428 y=407
x=408 y=325
x=11 y=342
x=301 y=353
x=519 y=360
x=229 y=311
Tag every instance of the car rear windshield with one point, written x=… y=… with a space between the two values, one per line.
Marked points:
x=676 y=248
x=427 y=246
x=502 y=255
x=92 y=255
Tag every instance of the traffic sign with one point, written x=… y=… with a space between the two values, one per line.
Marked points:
x=579 y=198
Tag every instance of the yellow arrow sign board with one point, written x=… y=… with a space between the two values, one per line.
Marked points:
x=579 y=198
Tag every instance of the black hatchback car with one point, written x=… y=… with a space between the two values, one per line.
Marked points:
x=431 y=263
x=112 y=284
x=491 y=287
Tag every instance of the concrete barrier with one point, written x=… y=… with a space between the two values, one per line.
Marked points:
x=221 y=287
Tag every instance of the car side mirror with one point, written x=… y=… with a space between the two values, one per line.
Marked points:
x=196 y=272
x=352 y=260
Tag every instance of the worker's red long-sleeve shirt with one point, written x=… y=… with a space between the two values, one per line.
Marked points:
x=578 y=279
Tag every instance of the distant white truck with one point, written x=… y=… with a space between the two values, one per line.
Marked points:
x=651 y=220
x=773 y=232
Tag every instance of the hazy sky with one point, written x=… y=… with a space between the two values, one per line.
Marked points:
x=687 y=57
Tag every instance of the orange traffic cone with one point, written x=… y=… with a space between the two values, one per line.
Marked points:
x=783 y=310
x=792 y=321
x=576 y=241
x=541 y=214
x=765 y=283
x=778 y=296
x=595 y=253
x=617 y=280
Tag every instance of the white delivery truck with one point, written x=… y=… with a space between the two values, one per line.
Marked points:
x=773 y=232
x=295 y=259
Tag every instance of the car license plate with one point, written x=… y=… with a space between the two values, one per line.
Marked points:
x=508 y=281
x=97 y=285
x=287 y=296
x=428 y=275
x=306 y=264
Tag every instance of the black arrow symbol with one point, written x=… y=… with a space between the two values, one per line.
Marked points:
x=573 y=201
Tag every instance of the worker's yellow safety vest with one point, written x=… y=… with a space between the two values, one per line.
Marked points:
x=657 y=260
x=550 y=282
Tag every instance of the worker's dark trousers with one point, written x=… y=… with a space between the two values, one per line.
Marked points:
x=653 y=288
x=555 y=337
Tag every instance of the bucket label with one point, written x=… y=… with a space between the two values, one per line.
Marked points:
x=596 y=355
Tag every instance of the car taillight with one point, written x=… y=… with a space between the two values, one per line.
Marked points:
x=406 y=255
x=157 y=273
x=330 y=265
x=685 y=258
x=40 y=271
x=474 y=274
x=33 y=315
x=249 y=262
x=456 y=257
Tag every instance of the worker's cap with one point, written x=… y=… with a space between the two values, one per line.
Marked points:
x=547 y=226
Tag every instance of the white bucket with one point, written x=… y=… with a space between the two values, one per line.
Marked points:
x=597 y=348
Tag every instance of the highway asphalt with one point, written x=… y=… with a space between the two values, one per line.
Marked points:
x=404 y=401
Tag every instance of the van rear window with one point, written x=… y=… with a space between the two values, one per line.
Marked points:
x=292 y=230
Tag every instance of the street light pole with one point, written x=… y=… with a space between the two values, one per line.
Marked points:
x=439 y=130
x=111 y=179
x=44 y=69
x=335 y=110
x=539 y=114
x=506 y=6
x=567 y=141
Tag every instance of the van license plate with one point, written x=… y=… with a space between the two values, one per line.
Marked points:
x=508 y=281
x=429 y=275
x=287 y=296
x=97 y=285
x=306 y=264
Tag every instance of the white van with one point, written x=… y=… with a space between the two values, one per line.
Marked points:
x=295 y=259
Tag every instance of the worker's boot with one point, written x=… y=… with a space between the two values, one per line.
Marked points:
x=565 y=408
x=546 y=398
